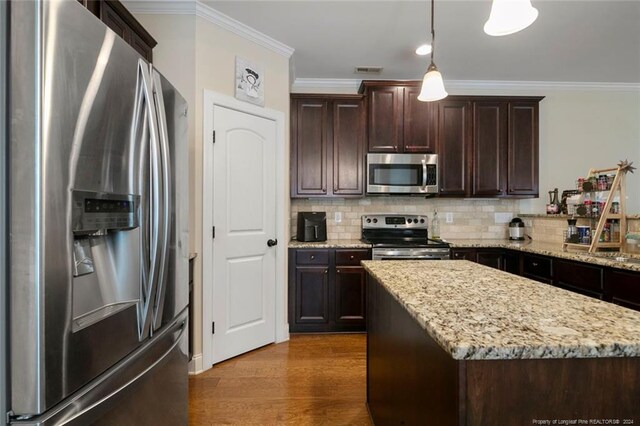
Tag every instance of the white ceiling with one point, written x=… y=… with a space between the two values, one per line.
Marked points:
x=572 y=40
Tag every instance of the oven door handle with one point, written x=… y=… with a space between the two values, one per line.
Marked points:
x=424 y=174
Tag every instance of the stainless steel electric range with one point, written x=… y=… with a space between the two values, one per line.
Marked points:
x=395 y=237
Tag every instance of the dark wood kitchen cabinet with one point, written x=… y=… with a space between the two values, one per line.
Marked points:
x=623 y=288
x=489 y=147
x=493 y=257
x=538 y=268
x=122 y=22
x=579 y=278
x=327 y=290
x=505 y=147
x=397 y=121
x=327 y=146
x=523 y=148
x=454 y=137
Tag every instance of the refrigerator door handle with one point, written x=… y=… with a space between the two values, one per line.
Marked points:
x=165 y=161
x=145 y=312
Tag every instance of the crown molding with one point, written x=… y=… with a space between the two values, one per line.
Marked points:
x=541 y=85
x=302 y=84
x=337 y=84
x=163 y=7
x=188 y=7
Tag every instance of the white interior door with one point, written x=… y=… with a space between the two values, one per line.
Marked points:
x=244 y=216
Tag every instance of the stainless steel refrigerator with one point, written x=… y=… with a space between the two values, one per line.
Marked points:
x=96 y=283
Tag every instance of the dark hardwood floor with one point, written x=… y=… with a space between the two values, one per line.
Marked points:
x=309 y=380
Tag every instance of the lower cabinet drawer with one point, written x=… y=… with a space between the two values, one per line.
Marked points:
x=351 y=257
x=312 y=257
x=536 y=267
x=584 y=279
x=624 y=287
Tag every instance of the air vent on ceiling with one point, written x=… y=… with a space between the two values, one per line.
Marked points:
x=368 y=70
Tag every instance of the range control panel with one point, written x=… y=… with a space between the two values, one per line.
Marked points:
x=394 y=221
x=95 y=211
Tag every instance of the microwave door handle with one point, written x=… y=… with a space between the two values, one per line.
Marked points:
x=424 y=174
x=315 y=232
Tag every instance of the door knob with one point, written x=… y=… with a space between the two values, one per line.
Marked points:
x=272 y=243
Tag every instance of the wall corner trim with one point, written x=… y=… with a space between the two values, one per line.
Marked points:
x=190 y=7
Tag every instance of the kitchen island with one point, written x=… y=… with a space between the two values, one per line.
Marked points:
x=458 y=343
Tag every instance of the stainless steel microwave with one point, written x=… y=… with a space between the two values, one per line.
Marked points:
x=402 y=174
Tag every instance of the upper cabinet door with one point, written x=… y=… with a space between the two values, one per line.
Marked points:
x=385 y=118
x=522 y=174
x=309 y=147
x=454 y=132
x=348 y=147
x=122 y=22
x=490 y=123
x=419 y=126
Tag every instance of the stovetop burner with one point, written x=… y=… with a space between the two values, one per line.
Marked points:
x=385 y=231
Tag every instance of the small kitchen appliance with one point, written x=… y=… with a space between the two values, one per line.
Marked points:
x=312 y=226
x=396 y=237
x=516 y=229
x=402 y=174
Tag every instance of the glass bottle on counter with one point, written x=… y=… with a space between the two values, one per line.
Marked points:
x=615 y=230
x=435 y=226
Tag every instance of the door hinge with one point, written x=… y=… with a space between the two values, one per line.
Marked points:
x=213 y=328
x=213 y=232
x=214 y=137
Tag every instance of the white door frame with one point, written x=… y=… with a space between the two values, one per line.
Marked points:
x=212 y=99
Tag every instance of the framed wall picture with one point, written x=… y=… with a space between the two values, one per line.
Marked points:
x=249 y=81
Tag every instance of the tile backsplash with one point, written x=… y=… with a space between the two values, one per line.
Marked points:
x=472 y=218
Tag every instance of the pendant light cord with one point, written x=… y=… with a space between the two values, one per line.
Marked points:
x=433 y=33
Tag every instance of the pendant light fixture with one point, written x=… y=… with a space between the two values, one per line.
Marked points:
x=510 y=16
x=432 y=84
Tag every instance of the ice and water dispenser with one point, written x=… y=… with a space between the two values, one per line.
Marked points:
x=107 y=265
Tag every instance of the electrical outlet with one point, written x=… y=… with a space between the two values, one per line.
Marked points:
x=338 y=217
x=503 y=217
x=448 y=217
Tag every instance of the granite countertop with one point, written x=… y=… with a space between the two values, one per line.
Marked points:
x=329 y=244
x=564 y=216
x=553 y=250
x=477 y=312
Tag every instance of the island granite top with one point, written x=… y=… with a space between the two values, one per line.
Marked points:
x=475 y=312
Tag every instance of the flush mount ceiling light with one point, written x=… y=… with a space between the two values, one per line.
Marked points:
x=423 y=50
x=510 y=16
x=432 y=84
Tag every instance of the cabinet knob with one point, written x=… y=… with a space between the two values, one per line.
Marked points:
x=324 y=189
x=534 y=263
x=352 y=257
x=406 y=147
x=338 y=270
x=312 y=257
x=326 y=271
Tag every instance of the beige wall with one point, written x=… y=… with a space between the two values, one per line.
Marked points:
x=579 y=129
x=197 y=55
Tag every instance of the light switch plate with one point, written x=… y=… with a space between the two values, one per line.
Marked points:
x=338 y=217
x=503 y=217
x=448 y=217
